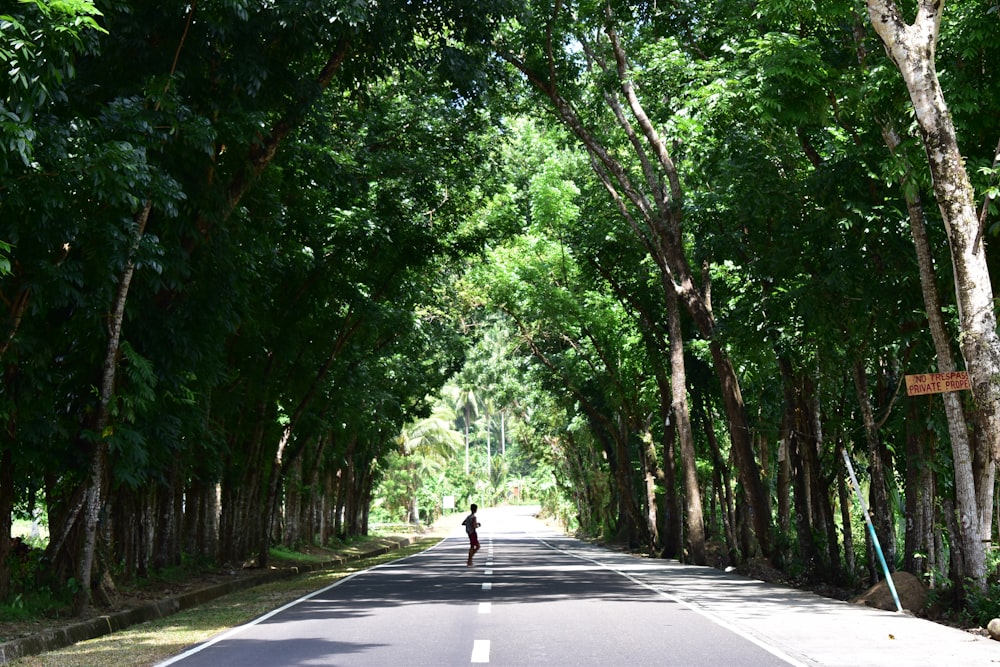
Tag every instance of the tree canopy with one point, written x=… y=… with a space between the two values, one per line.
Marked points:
x=261 y=263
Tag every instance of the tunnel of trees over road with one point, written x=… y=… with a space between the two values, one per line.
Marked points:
x=272 y=271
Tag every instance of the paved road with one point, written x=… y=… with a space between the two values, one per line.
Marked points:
x=535 y=597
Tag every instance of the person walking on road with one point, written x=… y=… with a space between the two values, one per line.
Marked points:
x=471 y=523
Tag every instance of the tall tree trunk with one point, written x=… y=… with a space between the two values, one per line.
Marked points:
x=95 y=485
x=912 y=48
x=202 y=520
x=967 y=498
x=844 y=496
x=8 y=441
x=659 y=202
x=824 y=515
x=290 y=503
x=465 y=423
x=359 y=493
x=918 y=538
x=228 y=522
x=757 y=501
x=239 y=522
x=723 y=483
x=795 y=433
x=503 y=433
x=366 y=495
x=347 y=484
x=816 y=529
x=783 y=489
x=124 y=520
x=314 y=522
x=343 y=481
x=328 y=504
x=272 y=500
x=878 y=493
x=650 y=476
x=956 y=561
x=689 y=463
x=634 y=522
x=6 y=518
x=167 y=551
x=674 y=534
x=93 y=498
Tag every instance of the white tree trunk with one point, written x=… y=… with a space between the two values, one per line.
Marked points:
x=912 y=48
x=94 y=496
x=695 y=534
x=974 y=565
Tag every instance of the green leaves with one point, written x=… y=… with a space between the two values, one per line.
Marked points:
x=4 y=258
x=37 y=43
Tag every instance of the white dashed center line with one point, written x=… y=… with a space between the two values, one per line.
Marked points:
x=481 y=647
x=481 y=650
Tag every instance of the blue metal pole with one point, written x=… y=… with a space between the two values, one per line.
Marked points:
x=871 y=531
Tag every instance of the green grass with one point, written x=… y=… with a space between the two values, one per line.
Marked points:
x=28 y=600
x=283 y=553
x=22 y=528
x=33 y=604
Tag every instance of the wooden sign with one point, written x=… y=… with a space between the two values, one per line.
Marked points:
x=936 y=383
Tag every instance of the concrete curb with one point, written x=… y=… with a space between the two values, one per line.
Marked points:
x=99 y=626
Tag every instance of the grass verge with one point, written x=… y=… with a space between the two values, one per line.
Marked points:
x=150 y=643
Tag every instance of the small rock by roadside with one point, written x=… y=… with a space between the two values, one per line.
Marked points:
x=994 y=629
x=912 y=594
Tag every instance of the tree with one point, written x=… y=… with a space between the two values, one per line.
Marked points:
x=912 y=47
x=466 y=403
x=647 y=188
x=155 y=195
x=427 y=446
x=38 y=42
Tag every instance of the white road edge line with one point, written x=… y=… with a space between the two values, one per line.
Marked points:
x=485 y=607
x=777 y=652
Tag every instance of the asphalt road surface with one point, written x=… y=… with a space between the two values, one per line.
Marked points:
x=526 y=601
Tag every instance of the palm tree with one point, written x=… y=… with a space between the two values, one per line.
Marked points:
x=466 y=402
x=488 y=418
x=499 y=479
x=428 y=444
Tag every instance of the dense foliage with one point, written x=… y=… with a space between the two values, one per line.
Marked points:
x=230 y=225
x=267 y=269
